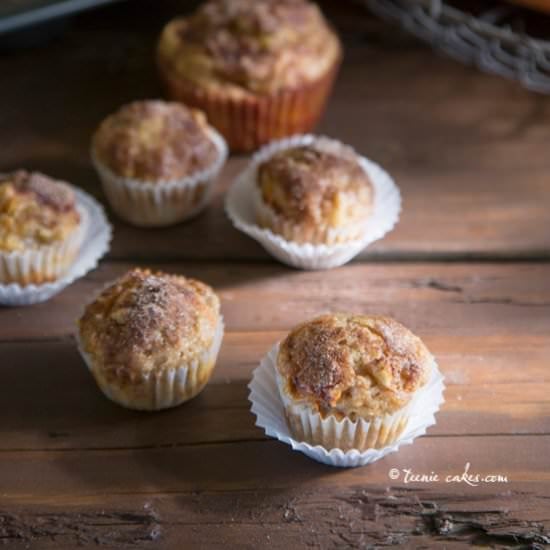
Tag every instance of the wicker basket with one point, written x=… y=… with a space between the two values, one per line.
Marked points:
x=486 y=40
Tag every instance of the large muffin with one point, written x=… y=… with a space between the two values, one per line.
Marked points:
x=260 y=70
x=151 y=339
x=309 y=195
x=157 y=161
x=353 y=367
x=41 y=229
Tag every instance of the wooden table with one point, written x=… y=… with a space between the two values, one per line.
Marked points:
x=467 y=269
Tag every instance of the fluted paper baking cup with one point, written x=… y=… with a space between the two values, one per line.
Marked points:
x=46 y=263
x=163 y=203
x=241 y=208
x=93 y=243
x=162 y=390
x=269 y=409
x=250 y=121
x=269 y=219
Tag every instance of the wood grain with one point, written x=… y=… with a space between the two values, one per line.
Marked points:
x=36 y=417
x=468 y=150
x=431 y=298
x=351 y=517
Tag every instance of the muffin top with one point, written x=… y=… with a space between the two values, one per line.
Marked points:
x=147 y=322
x=154 y=141
x=257 y=47
x=35 y=211
x=308 y=186
x=353 y=366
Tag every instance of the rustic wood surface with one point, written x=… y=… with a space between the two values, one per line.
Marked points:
x=467 y=269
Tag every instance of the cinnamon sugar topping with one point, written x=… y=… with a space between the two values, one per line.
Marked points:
x=353 y=365
x=307 y=185
x=154 y=141
x=258 y=46
x=148 y=320
x=35 y=211
x=54 y=194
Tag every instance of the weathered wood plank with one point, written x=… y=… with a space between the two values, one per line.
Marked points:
x=353 y=517
x=474 y=300
x=51 y=401
x=265 y=464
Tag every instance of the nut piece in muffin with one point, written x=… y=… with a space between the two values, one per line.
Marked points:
x=157 y=161
x=151 y=339
x=361 y=368
x=309 y=195
x=260 y=70
x=39 y=220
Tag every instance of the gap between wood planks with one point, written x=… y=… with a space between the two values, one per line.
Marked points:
x=442 y=298
x=259 y=439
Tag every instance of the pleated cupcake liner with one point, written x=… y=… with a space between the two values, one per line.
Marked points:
x=386 y=434
x=267 y=218
x=241 y=207
x=59 y=265
x=161 y=390
x=46 y=263
x=163 y=203
x=250 y=121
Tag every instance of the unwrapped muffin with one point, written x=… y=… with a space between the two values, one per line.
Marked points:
x=151 y=339
x=41 y=228
x=157 y=161
x=308 y=194
x=260 y=70
x=346 y=380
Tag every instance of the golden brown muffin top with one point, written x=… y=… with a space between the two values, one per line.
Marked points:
x=258 y=46
x=354 y=366
x=154 y=141
x=307 y=185
x=148 y=322
x=35 y=210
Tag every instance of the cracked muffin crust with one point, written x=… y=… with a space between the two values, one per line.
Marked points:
x=41 y=228
x=352 y=366
x=154 y=141
x=35 y=211
x=258 y=47
x=151 y=339
x=307 y=194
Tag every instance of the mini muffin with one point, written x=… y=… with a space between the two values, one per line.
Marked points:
x=157 y=161
x=260 y=70
x=346 y=380
x=151 y=339
x=41 y=228
x=307 y=194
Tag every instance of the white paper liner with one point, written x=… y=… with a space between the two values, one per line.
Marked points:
x=269 y=410
x=46 y=263
x=97 y=233
x=159 y=204
x=157 y=391
x=240 y=207
x=290 y=232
